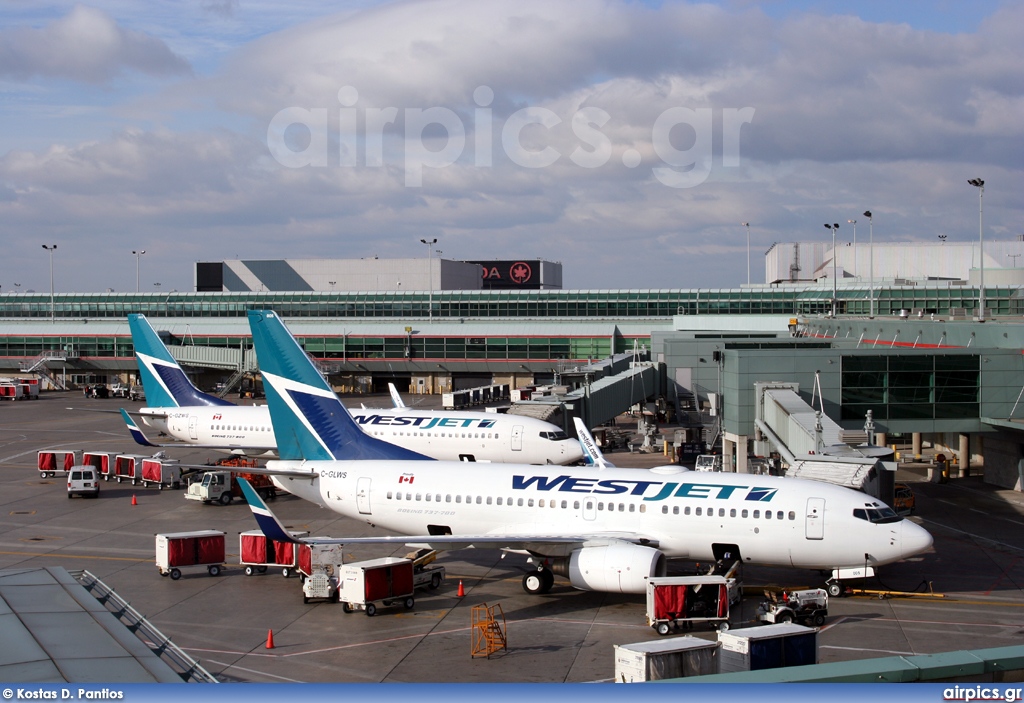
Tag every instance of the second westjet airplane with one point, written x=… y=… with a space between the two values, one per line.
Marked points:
x=605 y=530
x=180 y=410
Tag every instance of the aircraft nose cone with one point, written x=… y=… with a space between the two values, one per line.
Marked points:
x=914 y=539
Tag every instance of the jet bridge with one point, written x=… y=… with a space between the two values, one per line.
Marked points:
x=815 y=447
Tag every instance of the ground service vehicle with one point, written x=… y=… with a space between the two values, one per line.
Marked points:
x=175 y=550
x=708 y=462
x=804 y=607
x=367 y=585
x=257 y=552
x=222 y=487
x=426 y=574
x=903 y=499
x=83 y=481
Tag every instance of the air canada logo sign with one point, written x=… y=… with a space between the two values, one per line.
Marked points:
x=520 y=273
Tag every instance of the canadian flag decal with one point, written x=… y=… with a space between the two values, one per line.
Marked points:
x=406 y=478
x=217 y=416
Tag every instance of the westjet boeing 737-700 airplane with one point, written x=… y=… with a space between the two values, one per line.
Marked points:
x=179 y=409
x=605 y=529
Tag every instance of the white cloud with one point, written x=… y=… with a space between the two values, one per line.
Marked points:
x=849 y=115
x=85 y=45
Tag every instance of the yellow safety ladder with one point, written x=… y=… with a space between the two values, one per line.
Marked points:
x=488 y=630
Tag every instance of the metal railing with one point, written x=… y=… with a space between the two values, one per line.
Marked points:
x=184 y=665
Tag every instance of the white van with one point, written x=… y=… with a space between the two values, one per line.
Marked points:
x=83 y=481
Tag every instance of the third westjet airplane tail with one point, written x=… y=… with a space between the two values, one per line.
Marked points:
x=608 y=530
x=182 y=411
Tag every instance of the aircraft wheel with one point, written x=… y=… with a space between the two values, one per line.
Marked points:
x=662 y=628
x=371 y=610
x=175 y=574
x=835 y=589
x=533 y=583
x=548 y=578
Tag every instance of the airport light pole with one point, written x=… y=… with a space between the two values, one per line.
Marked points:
x=747 y=225
x=52 y=248
x=854 y=223
x=871 y=264
x=430 y=274
x=833 y=227
x=980 y=185
x=138 y=258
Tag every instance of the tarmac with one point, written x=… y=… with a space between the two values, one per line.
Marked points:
x=566 y=635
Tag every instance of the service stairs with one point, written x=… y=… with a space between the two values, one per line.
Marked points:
x=38 y=366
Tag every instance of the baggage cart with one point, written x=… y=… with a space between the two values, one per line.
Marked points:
x=681 y=601
x=127 y=467
x=257 y=552
x=368 y=585
x=665 y=659
x=161 y=472
x=767 y=647
x=57 y=461
x=103 y=462
x=176 y=550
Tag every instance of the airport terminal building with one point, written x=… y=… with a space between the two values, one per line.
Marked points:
x=915 y=353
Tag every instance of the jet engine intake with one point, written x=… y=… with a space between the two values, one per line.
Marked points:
x=612 y=568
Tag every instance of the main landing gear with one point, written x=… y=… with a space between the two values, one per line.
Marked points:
x=538 y=581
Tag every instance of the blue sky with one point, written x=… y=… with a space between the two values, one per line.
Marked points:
x=628 y=140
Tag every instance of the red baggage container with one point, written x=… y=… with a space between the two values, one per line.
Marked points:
x=199 y=548
x=128 y=467
x=101 y=461
x=57 y=461
x=257 y=552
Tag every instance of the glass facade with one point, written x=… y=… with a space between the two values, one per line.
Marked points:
x=346 y=347
x=616 y=304
x=911 y=387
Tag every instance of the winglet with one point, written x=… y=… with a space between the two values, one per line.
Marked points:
x=395 y=398
x=166 y=385
x=133 y=427
x=591 y=452
x=268 y=522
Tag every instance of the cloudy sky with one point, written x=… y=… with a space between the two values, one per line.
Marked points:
x=628 y=140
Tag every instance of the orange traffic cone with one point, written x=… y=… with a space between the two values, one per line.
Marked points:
x=462 y=591
x=270 y=639
x=134 y=502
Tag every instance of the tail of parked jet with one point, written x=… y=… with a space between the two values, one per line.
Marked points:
x=592 y=454
x=395 y=398
x=309 y=420
x=166 y=385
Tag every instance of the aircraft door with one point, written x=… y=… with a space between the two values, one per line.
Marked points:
x=517 y=438
x=814 y=525
x=193 y=427
x=363 y=496
x=589 y=511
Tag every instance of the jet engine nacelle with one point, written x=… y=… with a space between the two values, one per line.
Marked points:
x=614 y=568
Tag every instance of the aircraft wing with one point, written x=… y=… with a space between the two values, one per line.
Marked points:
x=548 y=545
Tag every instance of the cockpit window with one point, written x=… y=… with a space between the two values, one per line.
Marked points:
x=554 y=436
x=880 y=515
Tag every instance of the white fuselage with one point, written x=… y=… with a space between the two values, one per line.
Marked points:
x=446 y=436
x=772 y=520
